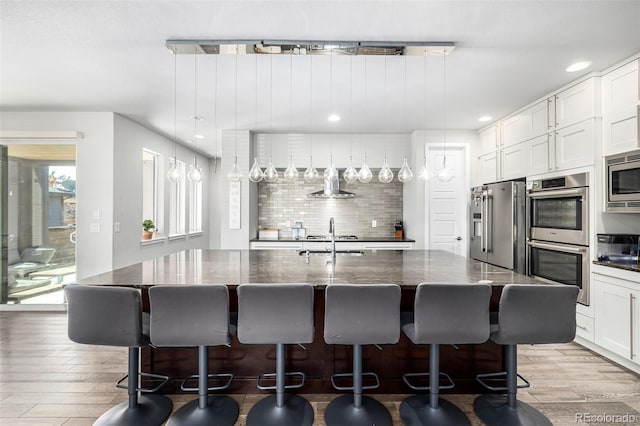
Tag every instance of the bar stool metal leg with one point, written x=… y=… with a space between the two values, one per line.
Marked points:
x=356 y=409
x=281 y=409
x=495 y=409
x=138 y=410
x=431 y=410
x=219 y=410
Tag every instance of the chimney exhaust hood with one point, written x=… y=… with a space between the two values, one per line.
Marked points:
x=331 y=190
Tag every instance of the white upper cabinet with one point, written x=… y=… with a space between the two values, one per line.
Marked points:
x=574 y=145
x=575 y=104
x=525 y=125
x=620 y=100
x=299 y=147
x=513 y=161
x=489 y=141
x=539 y=155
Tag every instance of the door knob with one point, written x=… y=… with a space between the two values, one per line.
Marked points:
x=459 y=238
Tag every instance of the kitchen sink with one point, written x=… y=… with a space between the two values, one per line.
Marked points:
x=328 y=253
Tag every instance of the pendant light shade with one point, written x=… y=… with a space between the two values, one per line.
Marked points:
x=174 y=175
x=330 y=173
x=350 y=175
x=445 y=174
x=425 y=172
x=195 y=172
x=271 y=174
x=405 y=174
x=311 y=174
x=256 y=174
x=385 y=175
x=234 y=174
x=291 y=174
x=365 y=175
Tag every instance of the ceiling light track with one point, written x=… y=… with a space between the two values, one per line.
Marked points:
x=310 y=47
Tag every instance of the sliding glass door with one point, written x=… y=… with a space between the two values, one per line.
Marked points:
x=38 y=222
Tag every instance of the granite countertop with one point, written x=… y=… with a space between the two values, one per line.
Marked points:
x=359 y=240
x=406 y=268
x=626 y=266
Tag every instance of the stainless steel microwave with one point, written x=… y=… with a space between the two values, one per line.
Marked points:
x=623 y=182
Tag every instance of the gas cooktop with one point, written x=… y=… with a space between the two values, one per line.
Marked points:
x=328 y=237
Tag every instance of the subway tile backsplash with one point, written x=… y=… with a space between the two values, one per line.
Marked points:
x=282 y=202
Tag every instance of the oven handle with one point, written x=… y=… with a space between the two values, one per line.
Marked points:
x=556 y=247
x=556 y=193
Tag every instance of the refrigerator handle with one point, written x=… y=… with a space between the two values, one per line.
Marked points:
x=483 y=237
x=489 y=243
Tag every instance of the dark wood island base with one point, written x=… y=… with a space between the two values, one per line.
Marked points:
x=319 y=360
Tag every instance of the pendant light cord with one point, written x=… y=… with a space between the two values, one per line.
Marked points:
x=175 y=108
x=444 y=109
x=195 y=107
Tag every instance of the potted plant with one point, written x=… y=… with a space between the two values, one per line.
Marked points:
x=147 y=229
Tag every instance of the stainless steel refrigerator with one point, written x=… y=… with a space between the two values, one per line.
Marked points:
x=498 y=228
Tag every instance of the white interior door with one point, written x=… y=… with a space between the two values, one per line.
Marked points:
x=447 y=203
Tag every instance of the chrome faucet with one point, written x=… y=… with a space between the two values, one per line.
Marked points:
x=332 y=231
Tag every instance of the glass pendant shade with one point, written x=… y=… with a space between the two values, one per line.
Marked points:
x=365 y=175
x=271 y=174
x=195 y=173
x=350 y=175
x=291 y=174
x=330 y=173
x=311 y=174
x=445 y=174
x=405 y=174
x=174 y=174
x=385 y=175
x=256 y=174
x=425 y=172
x=234 y=175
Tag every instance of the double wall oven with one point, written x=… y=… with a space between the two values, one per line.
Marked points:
x=558 y=215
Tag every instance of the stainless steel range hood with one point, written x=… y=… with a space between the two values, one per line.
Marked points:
x=331 y=190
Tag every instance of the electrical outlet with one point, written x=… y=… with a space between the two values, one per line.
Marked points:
x=374 y=223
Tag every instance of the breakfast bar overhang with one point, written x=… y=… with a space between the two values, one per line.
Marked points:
x=317 y=360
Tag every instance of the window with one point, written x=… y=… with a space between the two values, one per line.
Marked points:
x=150 y=186
x=177 y=202
x=195 y=207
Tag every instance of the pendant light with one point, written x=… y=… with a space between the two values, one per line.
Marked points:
x=405 y=174
x=195 y=172
x=331 y=173
x=235 y=175
x=445 y=174
x=365 y=175
x=385 y=175
x=256 y=174
x=311 y=174
x=175 y=174
x=350 y=175
x=271 y=174
x=291 y=174
x=424 y=174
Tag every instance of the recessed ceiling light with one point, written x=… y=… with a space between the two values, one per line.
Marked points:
x=485 y=118
x=333 y=117
x=199 y=136
x=578 y=66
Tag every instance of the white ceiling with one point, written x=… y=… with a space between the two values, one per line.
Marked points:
x=111 y=56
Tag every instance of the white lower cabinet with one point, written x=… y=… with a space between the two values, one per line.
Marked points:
x=617 y=316
x=585 y=327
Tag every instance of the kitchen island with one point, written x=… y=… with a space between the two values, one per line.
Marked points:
x=233 y=267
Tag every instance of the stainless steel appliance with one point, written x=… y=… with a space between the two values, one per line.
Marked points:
x=619 y=249
x=622 y=173
x=559 y=209
x=498 y=225
x=558 y=216
x=561 y=264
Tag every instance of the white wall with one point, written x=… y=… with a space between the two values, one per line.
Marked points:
x=130 y=139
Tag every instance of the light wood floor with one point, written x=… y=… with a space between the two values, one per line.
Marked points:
x=47 y=380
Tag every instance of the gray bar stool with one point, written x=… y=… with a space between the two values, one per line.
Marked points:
x=112 y=316
x=188 y=316
x=528 y=314
x=365 y=314
x=277 y=314
x=443 y=314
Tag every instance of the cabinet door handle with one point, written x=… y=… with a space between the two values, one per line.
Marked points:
x=582 y=327
x=631 y=330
